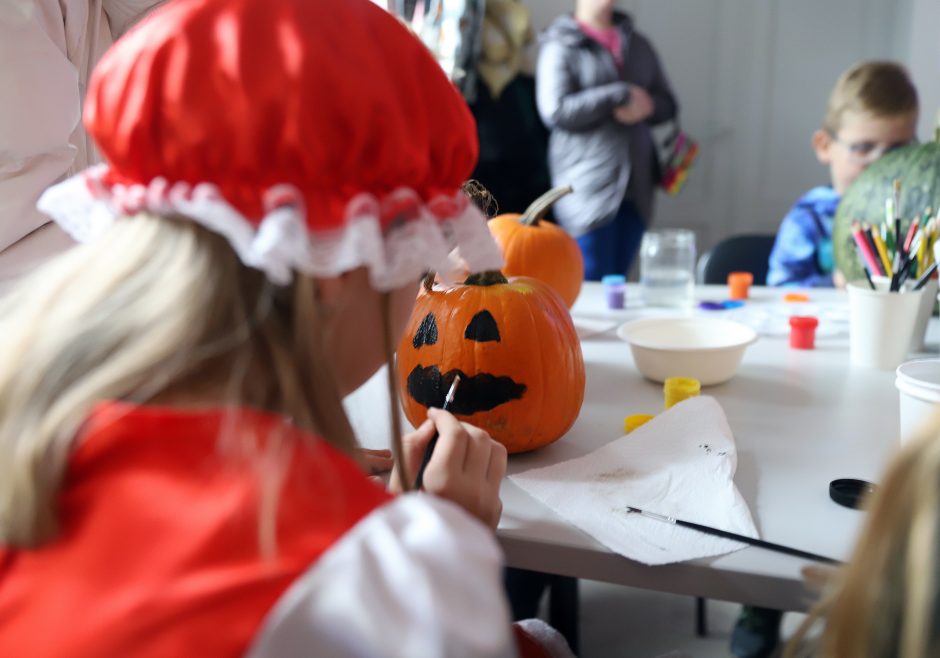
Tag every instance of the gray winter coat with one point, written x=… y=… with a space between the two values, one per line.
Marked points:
x=578 y=85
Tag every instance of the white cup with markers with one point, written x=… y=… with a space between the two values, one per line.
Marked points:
x=923 y=312
x=881 y=324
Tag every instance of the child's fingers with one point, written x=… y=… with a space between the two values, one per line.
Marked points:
x=478 y=454
x=497 y=514
x=376 y=461
x=495 y=471
x=463 y=460
x=422 y=433
x=451 y=449
x=413 y=444
x=817 y=578
x=376 y=452
x=496 y=468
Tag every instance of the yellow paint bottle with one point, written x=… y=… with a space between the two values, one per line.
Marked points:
x=677 y=389
x=630 y=423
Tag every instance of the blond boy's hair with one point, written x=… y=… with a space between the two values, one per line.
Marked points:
x=879 y=89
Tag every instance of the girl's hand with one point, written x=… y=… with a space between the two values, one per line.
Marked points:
x=375 y=461
x=638 y=109
x=817 y=579
x=466 y=468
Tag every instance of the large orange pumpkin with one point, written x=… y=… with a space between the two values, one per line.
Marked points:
x=537 y=248
x=516 y=351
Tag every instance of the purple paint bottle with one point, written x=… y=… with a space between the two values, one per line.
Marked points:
x=615 y=289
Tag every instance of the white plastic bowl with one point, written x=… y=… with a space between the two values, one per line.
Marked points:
x=918 y=384
x=708 y=349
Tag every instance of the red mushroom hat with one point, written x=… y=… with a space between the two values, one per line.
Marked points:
x=316 y=135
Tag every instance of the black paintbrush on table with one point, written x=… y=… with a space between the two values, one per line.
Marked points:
x=770 y=546
x=448 y=399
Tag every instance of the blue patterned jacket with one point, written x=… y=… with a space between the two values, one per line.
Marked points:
x=802 y=253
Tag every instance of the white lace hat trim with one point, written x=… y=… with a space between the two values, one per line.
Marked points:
x=281 y=244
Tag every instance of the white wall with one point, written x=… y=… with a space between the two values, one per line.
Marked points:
x=923 y=57
x=753 y=79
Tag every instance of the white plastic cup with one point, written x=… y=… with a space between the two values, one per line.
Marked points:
x=881 y=325
x=923 y=313
x=918 y=384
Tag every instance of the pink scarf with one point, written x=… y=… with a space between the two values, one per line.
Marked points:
x=609 y=37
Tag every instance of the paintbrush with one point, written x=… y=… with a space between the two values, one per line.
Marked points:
x=708 y=530
x=448 y=399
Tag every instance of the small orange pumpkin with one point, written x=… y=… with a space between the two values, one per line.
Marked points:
x=515 y=348
x=540 y=249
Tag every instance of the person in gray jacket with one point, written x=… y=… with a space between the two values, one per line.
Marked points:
x=600 y=88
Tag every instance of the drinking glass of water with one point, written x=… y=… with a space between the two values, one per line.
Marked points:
x=667 y=267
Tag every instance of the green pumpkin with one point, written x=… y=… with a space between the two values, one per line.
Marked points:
x=917 y=167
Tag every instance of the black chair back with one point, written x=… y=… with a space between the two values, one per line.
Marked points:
x=739 y=253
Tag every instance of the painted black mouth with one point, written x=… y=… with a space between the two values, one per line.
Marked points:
x=477 y=393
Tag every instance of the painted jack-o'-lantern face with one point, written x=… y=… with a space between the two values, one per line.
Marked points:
x=516 y=351
x=480 y=392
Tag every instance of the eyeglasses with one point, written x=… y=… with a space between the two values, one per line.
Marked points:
x=868 y=152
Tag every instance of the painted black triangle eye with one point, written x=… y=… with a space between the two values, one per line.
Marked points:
x=427 y=332
x=482 y=328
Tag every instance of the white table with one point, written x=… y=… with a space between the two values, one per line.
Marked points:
x=800 y=419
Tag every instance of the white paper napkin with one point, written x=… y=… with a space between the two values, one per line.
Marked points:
x=679 y=464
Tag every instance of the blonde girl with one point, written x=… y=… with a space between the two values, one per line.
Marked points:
x=177 y=476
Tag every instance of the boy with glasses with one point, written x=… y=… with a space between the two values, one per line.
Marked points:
x=872 y=110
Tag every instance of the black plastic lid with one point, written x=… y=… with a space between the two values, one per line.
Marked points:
x=849 y=493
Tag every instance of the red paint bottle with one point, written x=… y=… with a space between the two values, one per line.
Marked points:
x=803 y=332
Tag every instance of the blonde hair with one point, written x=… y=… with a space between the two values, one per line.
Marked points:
x=880 y=89
x=157 y=308
x=884 y=602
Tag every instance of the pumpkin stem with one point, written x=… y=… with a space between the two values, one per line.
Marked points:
x=490 y=278
x=428 y=281
x=537 y=208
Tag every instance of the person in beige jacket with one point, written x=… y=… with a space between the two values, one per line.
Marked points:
x=47 y=51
